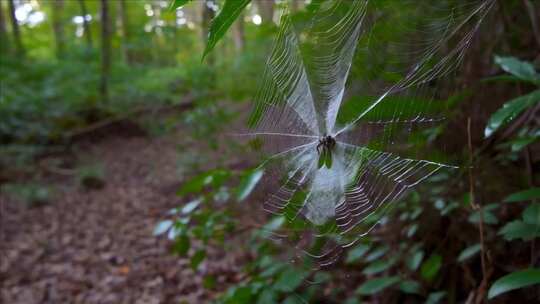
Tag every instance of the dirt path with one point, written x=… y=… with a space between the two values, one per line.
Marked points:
x=97 y=246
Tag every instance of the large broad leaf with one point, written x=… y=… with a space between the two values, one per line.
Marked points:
x=376 y=285
x=510 y=111
x=525 y=195
x=527 y=229
x=230 y=11
x=519 y=230
x=248 y=183
x=513 y=281
x=521 y=69
x=178 y=3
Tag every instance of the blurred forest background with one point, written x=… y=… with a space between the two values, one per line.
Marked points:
x=120 y=183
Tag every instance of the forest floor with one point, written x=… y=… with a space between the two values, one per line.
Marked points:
x=97 y=246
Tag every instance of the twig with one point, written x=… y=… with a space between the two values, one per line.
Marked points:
x=478 y=207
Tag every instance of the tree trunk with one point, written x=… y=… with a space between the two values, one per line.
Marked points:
x=238 y=34
x=125 y=30
x=16 y=30
x=4 y=43
x=266 y=10
x=86 y=25
x=105 y=50
x=295 y=5
x=58 y=27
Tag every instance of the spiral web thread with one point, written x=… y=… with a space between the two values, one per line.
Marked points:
x=300 y=98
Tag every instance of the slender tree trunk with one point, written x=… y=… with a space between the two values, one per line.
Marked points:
x=58 y=27
x=105 y=50
x=125 y=30
x=86 y=25
x=16 y=30
x=295 y=5
x=266 y=9
x=238 y=34
x=4 y=43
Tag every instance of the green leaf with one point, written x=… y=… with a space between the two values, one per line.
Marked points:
x=289 y=280
x=510 y=111
x=177 y=229
x=189 y=207
x=531 y=215
x=431 y=267
x=209 y=282
x=272 y=225
x=469 y=252
x=525 y=195
x=248 y=183
x=519 y=230
x=435 y=297
x=414 y=261
x=182 y=245
x=377 y=253
x=378 y=266
x=513 y=281
x=178 y=3
x=162 y=227
x=214 y=178
x=517 y=144
x=221 y=23
x=376 y=285
x=410 y=286
x=521 y=69
x=268 y=296
x=352 y=301
x=197 y=258
x=489 y=217
x=241 y=294
x=412 y=230
x=356 y=253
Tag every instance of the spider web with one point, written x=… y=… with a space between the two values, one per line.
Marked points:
x=302 y=99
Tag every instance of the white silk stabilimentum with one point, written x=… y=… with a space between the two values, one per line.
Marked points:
x=303 y=90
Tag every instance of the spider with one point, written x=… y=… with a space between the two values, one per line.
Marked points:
x=327 y=143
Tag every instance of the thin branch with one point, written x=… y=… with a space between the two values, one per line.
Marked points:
x=478 y=207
